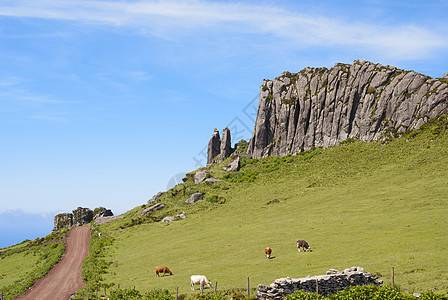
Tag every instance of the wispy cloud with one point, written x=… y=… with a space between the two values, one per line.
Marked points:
x=174 y=19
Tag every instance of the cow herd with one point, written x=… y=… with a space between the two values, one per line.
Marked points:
x=300 y=244
x=202 y=280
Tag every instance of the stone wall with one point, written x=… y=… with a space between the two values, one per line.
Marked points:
x=330 y=283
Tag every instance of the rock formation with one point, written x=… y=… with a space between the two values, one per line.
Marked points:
x=154 y=207
x=330 y=283
x=79 y=217
x=214 y=147
x=226 y=146
x=102 y=212
x=218 y=149
x=320 y=107
x=155 y=197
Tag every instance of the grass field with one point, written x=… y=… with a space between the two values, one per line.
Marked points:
x=372 y=205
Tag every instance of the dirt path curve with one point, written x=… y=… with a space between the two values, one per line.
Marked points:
x=65 y=278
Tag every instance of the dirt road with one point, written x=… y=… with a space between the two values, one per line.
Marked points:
x=65 y=278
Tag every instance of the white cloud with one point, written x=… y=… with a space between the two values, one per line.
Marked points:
x=177 y=19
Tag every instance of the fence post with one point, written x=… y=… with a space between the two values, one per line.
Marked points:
x=248 y=287
x=202 y=288
x=393 y=277
x=177 y=293
x=216 y=286
x=317 y=287
x=105 y=292
x=118 y=286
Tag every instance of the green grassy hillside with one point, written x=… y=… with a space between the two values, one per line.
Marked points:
x=375 y=205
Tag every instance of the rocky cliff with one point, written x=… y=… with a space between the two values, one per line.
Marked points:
x=320 y=107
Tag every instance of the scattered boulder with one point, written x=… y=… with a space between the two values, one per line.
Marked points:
x=168 y=219
x=172 y=219
x=234 y=165
x=152 y=208
x=212 y=180
x=155 y=197
x=199 y=176
x=195 y=197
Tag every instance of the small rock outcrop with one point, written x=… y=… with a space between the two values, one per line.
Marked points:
x=152 y=208
x=155 y=197
x=218 y=149
x=79 y=217
x=320 y=107
x=82 y=216
x=330 y=283
x=195 y=197
x=102 y=212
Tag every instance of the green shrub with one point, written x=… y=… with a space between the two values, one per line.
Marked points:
x=126 y=294
x=301 y=295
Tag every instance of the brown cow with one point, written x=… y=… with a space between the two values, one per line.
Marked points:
x=304 y=245
x=163 y=270
x=268 y=252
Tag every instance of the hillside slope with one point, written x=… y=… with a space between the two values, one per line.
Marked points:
x=375 y=205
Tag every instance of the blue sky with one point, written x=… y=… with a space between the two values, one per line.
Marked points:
x=104 y=102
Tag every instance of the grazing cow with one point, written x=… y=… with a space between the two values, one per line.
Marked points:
x=163 y=270
x=268 y=252
x=304 y=245
x=199 y=279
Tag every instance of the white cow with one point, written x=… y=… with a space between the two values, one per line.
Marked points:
x=199 y=279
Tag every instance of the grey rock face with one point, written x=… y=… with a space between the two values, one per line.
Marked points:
x=199 y=176
x=82 y=216
x=155 y=197
x=218 y=149
x=214 y=147
x=234 y=165
x=63 y=220
x=226 y=146
x=101 y=212
x=195 y=197
x=157 y=206
x=320 y=107
x=330 y=283
x=78 y=217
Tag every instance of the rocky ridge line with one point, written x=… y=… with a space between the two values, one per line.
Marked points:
x=320 y=107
